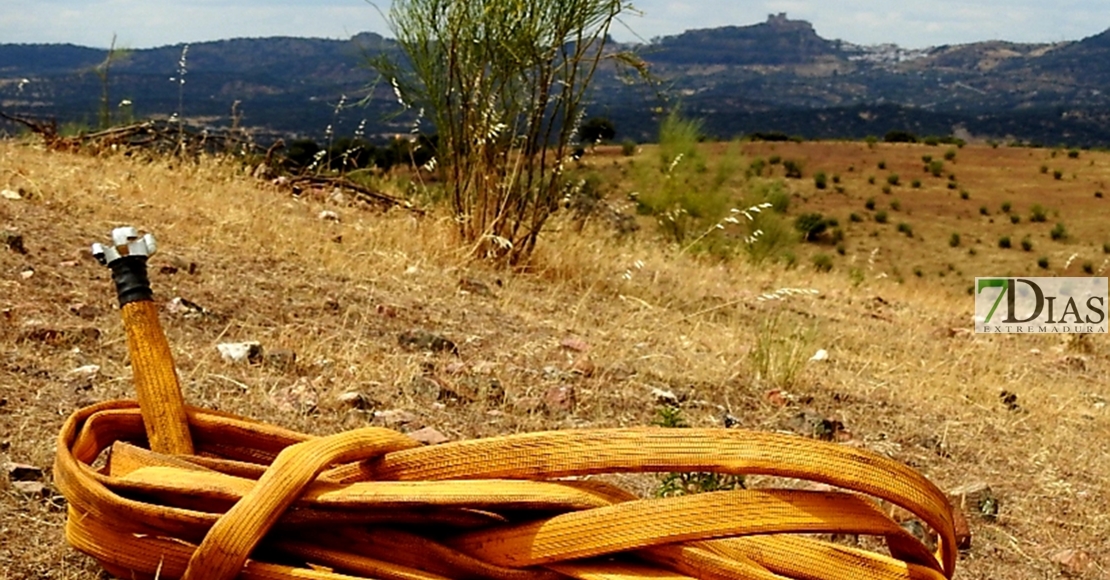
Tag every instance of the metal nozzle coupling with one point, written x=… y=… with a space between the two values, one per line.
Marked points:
x=126 y=241
x=127 y=258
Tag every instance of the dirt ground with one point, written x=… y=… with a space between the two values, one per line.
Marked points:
x=583 y=339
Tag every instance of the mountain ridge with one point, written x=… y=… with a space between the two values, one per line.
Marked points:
x=289 y=86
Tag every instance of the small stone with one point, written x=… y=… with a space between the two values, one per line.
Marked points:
x=429 y=436
x=239 y=352
x=27 y=274
x=386 y=311
x=90 y=371
x=662 y=397
x=776 y=398
x=821 y=356
x=328 y=215
x=395 y=417
x=962 y=528
x=355 y=400
x=30 y=488
x=976 y=497
x=474 y=286
x=281 y=358
x=730 y=421
x=574 y=343
x=1072 y=562
x=560 y=399
x=82 y=310
x=423 y=340
x=455 y=368
x=584 y=367
x=184 y=307
x=10 y=194
x=22 y=472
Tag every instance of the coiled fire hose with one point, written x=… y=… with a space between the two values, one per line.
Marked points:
x=202 y=495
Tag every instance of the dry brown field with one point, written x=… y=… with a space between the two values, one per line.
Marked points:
x=586 y=336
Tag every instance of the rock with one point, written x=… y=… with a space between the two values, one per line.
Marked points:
x=184 y=307
x=1072 y=562
x=89 y=371
x=239 y=352
x=776 y=397
x=976 y=497
x=474 y=286
x=662 y=397
x=386 y=311
x=281 y=358
x=423 y=340
x=920 y=532
x=30 y=488
x=355 y=400
x=22 y=472
x=10 y=194
x=963 y=530
x=426 y=388
x=1010 y=400
x=328 y=215
x=821 y=356
x=574 y=343
x=298 y=397
x=27 y=274
x=395 y=417
x=730 y=421
x=429 y=436
x=13 y=241
x=560 y=399
x=82 y=310
x=584 y=366
x=811 y=424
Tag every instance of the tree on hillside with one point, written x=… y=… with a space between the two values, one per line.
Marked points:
x=504 y=83
x=597 y=130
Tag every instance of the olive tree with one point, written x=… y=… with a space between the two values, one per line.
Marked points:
x=505 y=83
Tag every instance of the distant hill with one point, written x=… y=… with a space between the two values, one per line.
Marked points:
x=777 y=75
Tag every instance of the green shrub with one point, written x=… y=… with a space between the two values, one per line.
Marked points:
x=840 y=249
x=916 y=184
x=869 y=204
x=917 y=271
x=1058 y=233
x=950 y=155
x=1038 y=214
x=880 y=217
x=983 y=210
x=926 y=159
x=628 y=148
x=823 y=263
x=886 y=189
x=836 y=178
x=952 y=185
x=954 y=240
x=892 y=179
x=1106 y=247
x=1044 y=169
x=1098 y=195
x=964 y=194
x=905 y=228
x=793 y=169
x=1027 y=244
x=1006 y=207
x=1088 y=268
x=811 y=225
x=895 y=205
x=936 y=168
x=882 y=165
x=1057 y=175
x=871 y=141
x=855 y=218
x=1073 y=154
x=1043 y=262
x=820 y=180
x=1004 y=242
x=1015 y=219
x=871 y=179
x=757 y=166
x=775 y=159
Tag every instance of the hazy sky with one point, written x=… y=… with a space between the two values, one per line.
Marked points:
x=146 y=23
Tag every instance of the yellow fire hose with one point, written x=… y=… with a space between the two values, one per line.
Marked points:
x=201 y=495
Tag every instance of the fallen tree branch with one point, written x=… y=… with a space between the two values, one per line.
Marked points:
x=361 y=191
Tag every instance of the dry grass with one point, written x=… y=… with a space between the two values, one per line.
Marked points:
x=270 y=270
